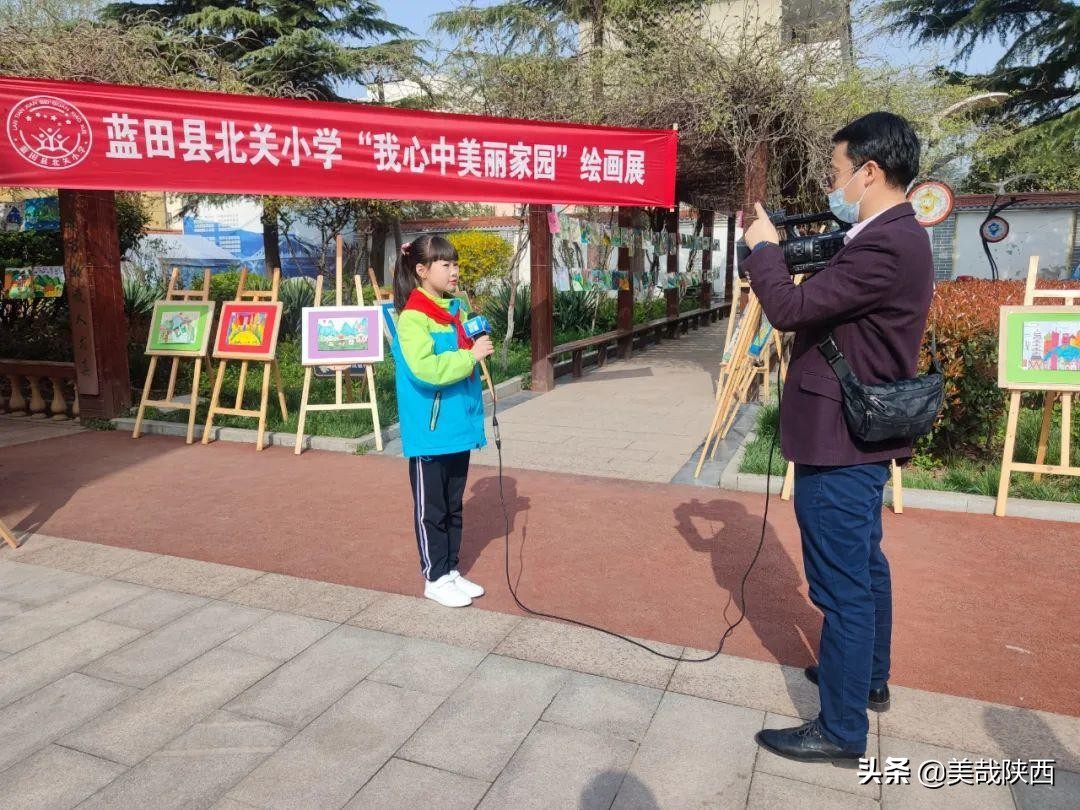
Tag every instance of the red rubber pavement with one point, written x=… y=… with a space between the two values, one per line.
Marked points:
x=984 y=607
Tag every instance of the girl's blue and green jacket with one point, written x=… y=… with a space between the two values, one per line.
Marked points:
x=439 y=396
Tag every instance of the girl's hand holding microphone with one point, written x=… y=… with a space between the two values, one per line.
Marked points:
x=483 y=348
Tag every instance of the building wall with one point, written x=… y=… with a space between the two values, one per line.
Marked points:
x=1049 y=234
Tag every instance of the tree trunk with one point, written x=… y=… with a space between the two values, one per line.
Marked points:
x=379 y=232
x=271 y=236
x=511 y=279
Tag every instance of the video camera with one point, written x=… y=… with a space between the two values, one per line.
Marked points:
x=802 y=254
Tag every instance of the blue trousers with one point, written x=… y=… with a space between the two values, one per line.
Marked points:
x=839 y=515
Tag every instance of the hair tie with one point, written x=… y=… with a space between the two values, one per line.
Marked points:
x=405 y=248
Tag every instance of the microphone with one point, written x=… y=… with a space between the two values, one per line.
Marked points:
x=478 y=326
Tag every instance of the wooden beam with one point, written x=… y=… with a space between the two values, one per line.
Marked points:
x=729 y=262
x=541 y=288
x=671 y=221
x=99 y=329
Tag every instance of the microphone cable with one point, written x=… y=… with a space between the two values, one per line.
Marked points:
x=742 y=585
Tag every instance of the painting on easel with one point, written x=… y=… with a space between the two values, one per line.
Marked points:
x=1040 y=348
x=248 y=331
x=180 y=329
x=341 y=335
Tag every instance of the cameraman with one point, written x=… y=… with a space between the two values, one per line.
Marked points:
x=874 y=297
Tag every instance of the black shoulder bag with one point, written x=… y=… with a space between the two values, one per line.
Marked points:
x=904 y=409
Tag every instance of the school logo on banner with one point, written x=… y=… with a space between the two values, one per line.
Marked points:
x=49 y=132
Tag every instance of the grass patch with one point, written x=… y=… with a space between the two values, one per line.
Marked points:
x=972 y=476
x=343 y=424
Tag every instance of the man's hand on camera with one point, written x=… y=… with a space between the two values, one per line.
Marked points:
x=762 y=230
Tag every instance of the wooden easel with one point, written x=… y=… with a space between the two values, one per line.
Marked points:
x=9 y=538
x=738 y=374
x=175 y=293
x=1008 y=465
x=243 y=294
x=342 y=377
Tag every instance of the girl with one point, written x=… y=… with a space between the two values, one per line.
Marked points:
x=439 y=407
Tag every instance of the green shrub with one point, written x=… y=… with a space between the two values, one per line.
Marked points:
x=494 y=309
x=28 y=248
x=966 y=314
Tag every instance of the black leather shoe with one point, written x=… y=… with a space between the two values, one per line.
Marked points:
x=806 y=744
x=878 y=701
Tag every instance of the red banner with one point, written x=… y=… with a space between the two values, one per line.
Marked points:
x=99 y=136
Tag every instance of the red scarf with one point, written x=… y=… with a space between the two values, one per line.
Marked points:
x=421 y=303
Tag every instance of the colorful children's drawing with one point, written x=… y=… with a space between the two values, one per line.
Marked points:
x=248 y=331
x=18 y=284
x=180 y=328
x=1039 y=348
x=48 y=282
x=340 y=336
x=761 y=339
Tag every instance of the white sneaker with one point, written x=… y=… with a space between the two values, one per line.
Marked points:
x=446 y=592
x=466 y=586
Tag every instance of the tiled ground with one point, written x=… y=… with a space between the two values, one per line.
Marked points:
x=130 y=679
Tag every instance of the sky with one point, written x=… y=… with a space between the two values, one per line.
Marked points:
x=416 y=15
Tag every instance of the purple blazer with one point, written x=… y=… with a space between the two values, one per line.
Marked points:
x=874 y=296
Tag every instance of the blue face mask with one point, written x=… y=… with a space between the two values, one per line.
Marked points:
x=841 y=208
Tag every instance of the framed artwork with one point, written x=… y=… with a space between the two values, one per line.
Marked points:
x=1039 y=348
x=341 y=336
x=248 y=330
x=180 y=328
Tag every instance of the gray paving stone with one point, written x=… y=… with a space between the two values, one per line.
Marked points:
x=170 y=647
x=52 y=711
x=1064 y=794
x=563 y=645
x=746 y=682
x=28 y=544
x=604 y=706
x=34 y=585
x=696 y=753
x=197 y=768
x=55 y=777
x=406 y=784
x=844 y=779
x=494 y=710
x=24 y=672
x=86 y=558
x=9 y=608
x=948 y=797
x=144 y=723
x=421 y=618
x=232 y=804
x=770 y=792
x=329 y=761
x=558 y=766
x=280 y=636
x=986 y=728
x=154 y=609
x=302 y=688
x=307 y=597
x=428 y=666
x=190 y=576
x=40 y=623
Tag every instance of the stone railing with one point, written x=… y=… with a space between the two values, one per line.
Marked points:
x=38 y=389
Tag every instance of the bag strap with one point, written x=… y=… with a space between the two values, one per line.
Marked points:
x=827 y=346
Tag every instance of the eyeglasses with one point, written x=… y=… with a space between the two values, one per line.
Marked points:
x=828 y=180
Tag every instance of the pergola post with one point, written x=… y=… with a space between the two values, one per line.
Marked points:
x=625 y=301
x=542 y=316
x=729 y=261
x=671 y=220
x=99 y=328
x=707 y=219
